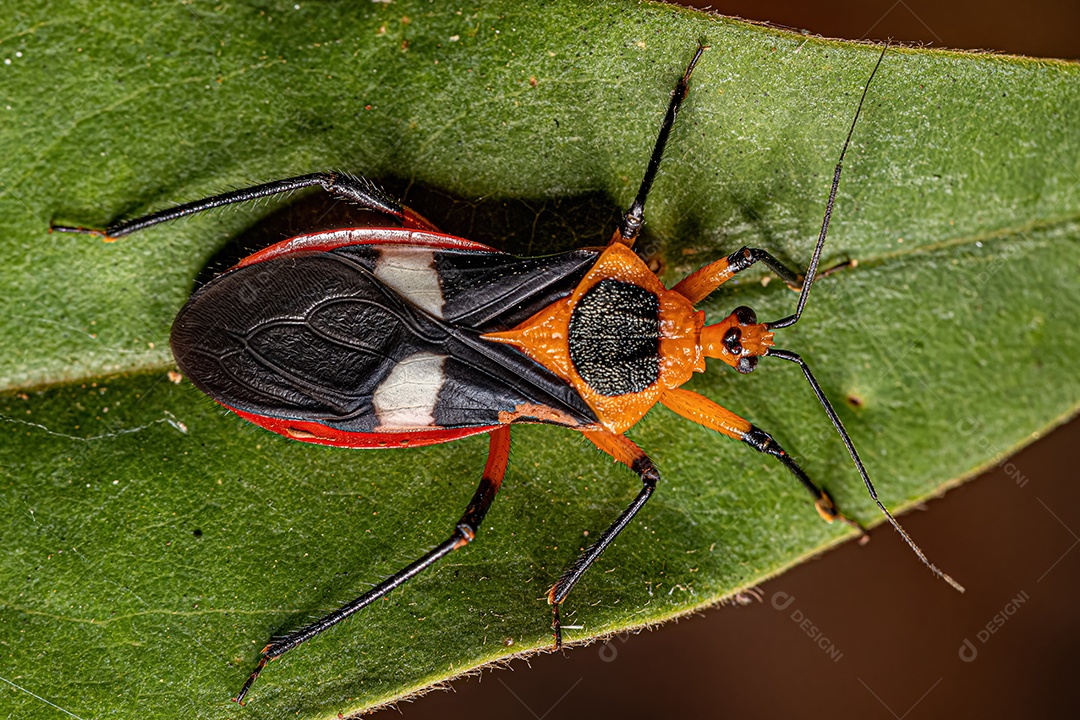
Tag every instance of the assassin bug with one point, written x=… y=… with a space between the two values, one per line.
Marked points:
x=404 y=336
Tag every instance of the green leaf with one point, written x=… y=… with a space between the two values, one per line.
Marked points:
x=153 y=543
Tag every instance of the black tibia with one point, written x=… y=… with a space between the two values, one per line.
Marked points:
x=650 y=476
x=764 y=443
x=746 y=256
x=635 y=216
x=347 y=187
x=464 y=532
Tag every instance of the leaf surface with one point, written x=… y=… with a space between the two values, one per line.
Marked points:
x=153 y=543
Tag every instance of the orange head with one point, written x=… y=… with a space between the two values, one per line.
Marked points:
x=739 y=340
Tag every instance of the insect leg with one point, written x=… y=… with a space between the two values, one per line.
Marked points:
x=629 y=454
x=707 y=413
x=464 y=532
x=697 y=286
x=635 y=216
x=347 y=187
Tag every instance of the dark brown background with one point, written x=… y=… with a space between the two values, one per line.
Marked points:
x=900 y=635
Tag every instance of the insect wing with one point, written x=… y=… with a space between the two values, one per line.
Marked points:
x=372 y=338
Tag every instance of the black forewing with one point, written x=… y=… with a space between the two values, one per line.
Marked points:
x=490 y=291
x=311 y=337
x=493 y=291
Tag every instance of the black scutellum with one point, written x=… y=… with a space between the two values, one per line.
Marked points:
x=615 y=338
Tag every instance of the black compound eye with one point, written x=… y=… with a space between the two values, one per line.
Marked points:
x=733 y=341
x=747 y=364
x=745 y=315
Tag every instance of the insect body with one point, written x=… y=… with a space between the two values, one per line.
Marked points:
x=404 y=336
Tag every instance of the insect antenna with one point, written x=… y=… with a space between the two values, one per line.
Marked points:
x=792 y=357
x=811 y=272
x=790 y=320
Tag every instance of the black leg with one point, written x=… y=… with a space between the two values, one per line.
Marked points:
x=626 y=452
x=763 y=442
x=746 y=256
x=635 y=216
x=347 y=187
x=464 y=532
x=700 y=409
x=698 y=285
